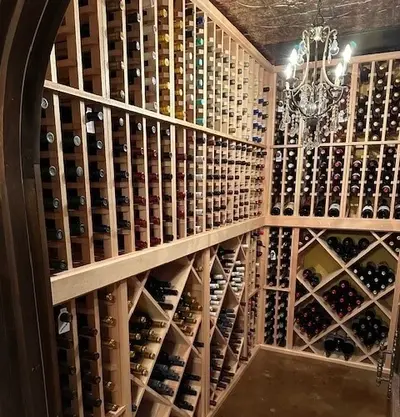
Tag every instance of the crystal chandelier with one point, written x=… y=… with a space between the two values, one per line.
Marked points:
x=312 y=99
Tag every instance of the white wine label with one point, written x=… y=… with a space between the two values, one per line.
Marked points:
x=90 y=125
x=62 y=326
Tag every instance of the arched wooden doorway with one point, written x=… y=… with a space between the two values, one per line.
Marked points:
x=27 y=354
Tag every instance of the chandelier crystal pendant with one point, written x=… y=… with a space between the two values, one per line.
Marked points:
x=311 y=104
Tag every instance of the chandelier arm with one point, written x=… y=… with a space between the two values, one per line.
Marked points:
x=325 y=75
x=306 y=35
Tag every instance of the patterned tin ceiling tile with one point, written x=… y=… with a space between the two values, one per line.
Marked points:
x=270 y=22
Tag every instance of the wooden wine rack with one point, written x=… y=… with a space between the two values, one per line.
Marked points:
x=158 y=152
x=365 y=145
x=316 y=253
x=151 y=130
x=111 y=309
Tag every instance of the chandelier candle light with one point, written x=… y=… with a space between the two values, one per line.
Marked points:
x=311 y=104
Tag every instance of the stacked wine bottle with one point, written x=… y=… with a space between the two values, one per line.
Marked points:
x=374 y=277
x=276 y=312
x=312 y=319
x=279 y=255
x=343 y=298
x=339 y=344
x=394 y=242
x=370 y=329
x=347 y=249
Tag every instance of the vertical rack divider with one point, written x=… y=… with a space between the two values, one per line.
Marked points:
x=171 y=19
x=79 y=114
x=313 y=183
x=387 y=97
x=371 y=85
x=269 y=160
x=184 y=54
x=246 y=293
x=108 y=152
x=283 y=187
x=194 y=11
x=349 y=138
x=378 y=178
x=73 y=357
x=119 y=311
x=146 y=182
x=204 y=182
x=328 y=181
x=131 y=242
x=383 y=137
x=394 y=313
x=235 y=51
x=77 y=49
x=261 y=290
x=156 y=50
x=362 y=181
x=205 y=329
x=173 y=141
x=141 y=41
x=299 y=173
x=61 y=181
x=125 y=61
x=212 y=54
x=160 y=188
x=395 y=179
x=292 y=286
x=92 y=310
x=219 y=75
x=205 y=73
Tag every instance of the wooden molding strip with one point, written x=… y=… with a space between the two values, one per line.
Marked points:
x=74 y=283
x=367 y=367
x=379 y=225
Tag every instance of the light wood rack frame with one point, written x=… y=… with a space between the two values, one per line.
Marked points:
x=185 y=111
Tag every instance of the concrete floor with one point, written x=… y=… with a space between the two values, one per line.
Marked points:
x=282 y=385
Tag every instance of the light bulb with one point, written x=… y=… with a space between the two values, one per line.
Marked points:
x=293 y=57
x=338 y=71
x=347 y=53
x=289 y=71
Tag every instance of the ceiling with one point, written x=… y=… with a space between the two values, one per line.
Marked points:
x=273 y=26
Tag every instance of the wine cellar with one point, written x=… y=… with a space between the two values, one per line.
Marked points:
x=189 y=228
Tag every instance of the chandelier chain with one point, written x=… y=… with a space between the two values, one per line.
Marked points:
x=319 y=19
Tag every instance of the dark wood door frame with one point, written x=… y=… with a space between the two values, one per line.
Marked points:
x=28 y=372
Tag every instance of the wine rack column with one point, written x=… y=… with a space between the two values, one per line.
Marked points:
x=68 y=359
x=137 y=57
x=211 y=75
x=190 y=62
x=180 y=57
x=155 y=197
x=182 y=182
x=218 y=90
x=116 y=44
x=54 y=191
x=140 y=180
x=151 y=39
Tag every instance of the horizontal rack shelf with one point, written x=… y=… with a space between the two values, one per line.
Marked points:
x=72 y=284
x=129 y=108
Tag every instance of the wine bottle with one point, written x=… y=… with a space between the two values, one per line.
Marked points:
x=383 y=210
x=334 y=210
x=367 y=210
